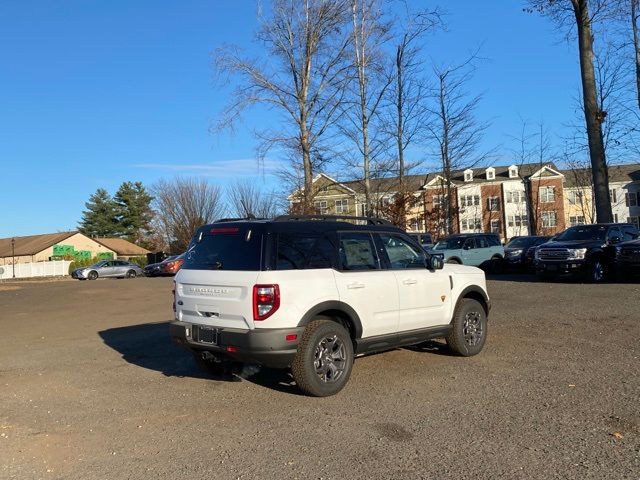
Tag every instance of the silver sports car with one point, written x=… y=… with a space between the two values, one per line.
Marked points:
x=108 y=268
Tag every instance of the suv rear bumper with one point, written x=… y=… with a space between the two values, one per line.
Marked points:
x=265 y=346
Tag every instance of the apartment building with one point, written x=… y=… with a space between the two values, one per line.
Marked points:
x=508 y=200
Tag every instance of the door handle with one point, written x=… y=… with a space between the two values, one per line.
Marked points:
x=409 y=281
x=355 y=285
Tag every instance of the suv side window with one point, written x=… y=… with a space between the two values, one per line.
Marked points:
x=358 y=252
x=482 y=242
x=401 y=253
x=493 y=240
x=303 y=251
x=629 y=233
x=613 y=232
x=469 y=244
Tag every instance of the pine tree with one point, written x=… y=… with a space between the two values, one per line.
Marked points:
x=133 y=211
x=99 y=218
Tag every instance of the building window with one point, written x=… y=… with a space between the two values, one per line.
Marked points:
x=495 y=226
x=493 y=204
x=577 y=220
x=471 y=224
x=633 y=221
x=342 y=206
x=469 y=200
x=515 y=196
x=615 y=218
x=613 y=193
x=324 y=189
x=491 y=174
x=468 y=175
x=513 y=172
x=321 y=207
x=438 y=201
x=575 y=197
x=631 y=199
x=547 y=194
x=517 y=220
x=416 y=224
x=549 y=219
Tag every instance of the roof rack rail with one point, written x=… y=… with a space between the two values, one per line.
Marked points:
x=248 y=217
x=369 y=220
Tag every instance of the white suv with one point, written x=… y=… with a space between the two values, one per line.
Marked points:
x=311 y=294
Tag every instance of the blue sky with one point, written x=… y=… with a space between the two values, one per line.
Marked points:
x=94 y=93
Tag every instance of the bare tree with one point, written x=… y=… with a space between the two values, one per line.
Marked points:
x=301 y=77
x=182 y=205
x=636 y=44
x=246 y=200
x=584 y=15
x=456 y=130
x=369 y=81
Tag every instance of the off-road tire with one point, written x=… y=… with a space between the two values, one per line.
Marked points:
x=496 y=264
x=468 y=318
x=131 y=274
x=93 y=275
x=453 y=261
x=317 y=335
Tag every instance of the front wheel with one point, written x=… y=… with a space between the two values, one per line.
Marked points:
x=324 y=359
x=468 y=328
x=92 y=275
x=131 y=274
x=595 y=271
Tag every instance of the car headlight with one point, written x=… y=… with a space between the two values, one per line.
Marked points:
x=577 y=253
x=514 y=253
x=536 y=254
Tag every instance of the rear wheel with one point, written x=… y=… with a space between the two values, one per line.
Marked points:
x=324 y=359
x=496 y=265
x=131 y=274
x=468 y=328
x=92 y=275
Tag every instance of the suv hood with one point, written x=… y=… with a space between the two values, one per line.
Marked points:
x=573 y=244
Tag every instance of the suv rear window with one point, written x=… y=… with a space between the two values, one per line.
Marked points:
x=303 y=251
x=224 y=248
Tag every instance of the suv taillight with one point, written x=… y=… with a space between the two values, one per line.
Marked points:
x=266 y=300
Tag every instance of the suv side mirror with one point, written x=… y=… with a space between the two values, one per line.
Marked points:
x=436 y=263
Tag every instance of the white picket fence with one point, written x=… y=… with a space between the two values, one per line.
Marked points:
x=36 y=269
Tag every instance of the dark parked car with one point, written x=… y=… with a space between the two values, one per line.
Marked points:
x=628 y=258
x=519 y=252
x=168 y=267
x=588 y=250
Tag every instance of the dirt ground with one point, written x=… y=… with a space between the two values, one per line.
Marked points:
x=92 y=388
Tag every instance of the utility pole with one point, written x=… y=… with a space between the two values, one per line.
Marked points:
x=13 y=256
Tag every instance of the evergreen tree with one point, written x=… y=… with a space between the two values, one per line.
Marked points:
x=99 y=218
x=133 y=211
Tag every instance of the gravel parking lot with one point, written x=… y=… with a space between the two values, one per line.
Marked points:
x=91 y=387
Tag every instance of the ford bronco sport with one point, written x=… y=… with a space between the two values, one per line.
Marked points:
x=312 y=293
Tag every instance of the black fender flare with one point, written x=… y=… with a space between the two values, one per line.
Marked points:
x=475 y=290
x=335 y=305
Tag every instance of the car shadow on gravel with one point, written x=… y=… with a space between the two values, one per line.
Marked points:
x=149 y=346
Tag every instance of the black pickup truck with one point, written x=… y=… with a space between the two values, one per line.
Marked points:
x=628 y=258
x=587 y=250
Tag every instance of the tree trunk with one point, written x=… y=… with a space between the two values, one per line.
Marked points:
x=636 y=44
x=446 y=161
x=593 y=115
x=400 y=129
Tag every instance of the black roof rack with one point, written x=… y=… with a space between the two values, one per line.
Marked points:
x=332 y=218
x=239 y=219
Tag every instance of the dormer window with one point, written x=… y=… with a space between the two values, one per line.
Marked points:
x=491 y=173
x=513 y=171
x=468 y=175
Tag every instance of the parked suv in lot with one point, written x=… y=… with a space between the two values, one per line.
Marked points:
x=518 y=253
x=477 y=249
x=589 y=250
x=311 y=294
